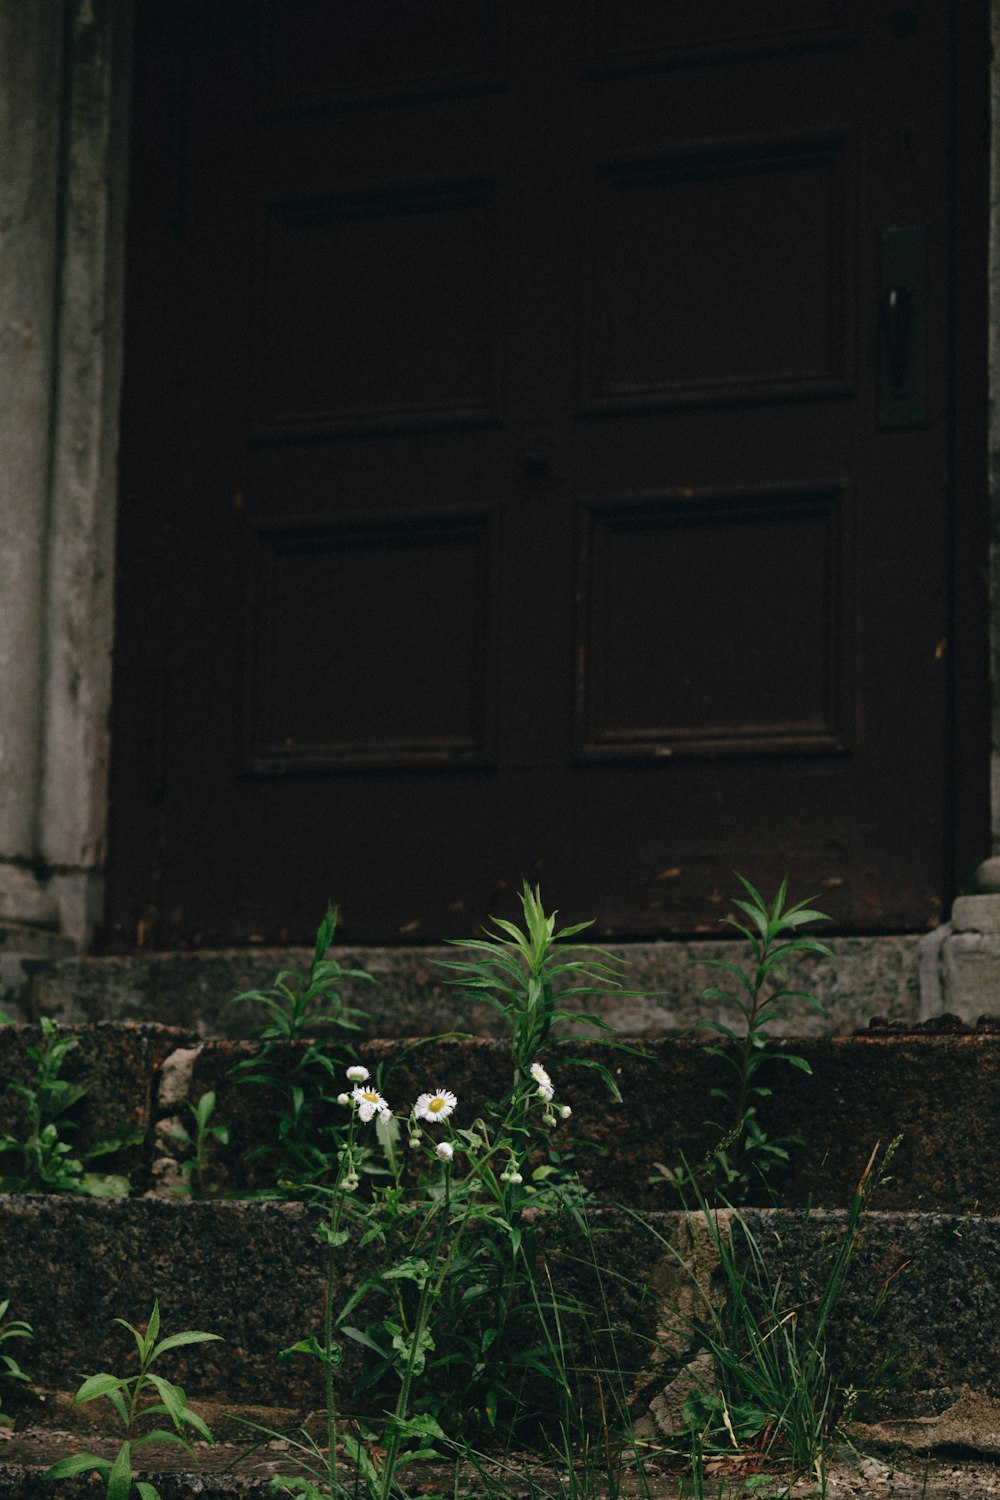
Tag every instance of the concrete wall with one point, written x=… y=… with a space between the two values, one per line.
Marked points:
x=64 y=116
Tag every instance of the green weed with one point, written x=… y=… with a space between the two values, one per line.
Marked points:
x=777 y=1390
x=42 y=1159
x=295 y=1064
x=136 y=1400
x=745 y=1152
x=207 y=1133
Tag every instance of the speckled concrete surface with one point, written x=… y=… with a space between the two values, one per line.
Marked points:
x=865 y=977
x=862 y=1089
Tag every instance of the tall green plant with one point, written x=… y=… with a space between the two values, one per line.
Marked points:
x=296 y=1065
x=760 y=997
x=448 y=1319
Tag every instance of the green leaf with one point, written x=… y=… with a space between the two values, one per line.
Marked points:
x=97 y=1385
x=178 y=1340
x=364 y=1339
x=118 y=1402
x=146 y=1490
x=411 y=1268
x=312 y=1346
x=79 y=1463
x=796 y=1062
x=332 y=1237
x=598 y=1067
x=171 y=1396
x=152 y=1327
x=203 y=1109
x=718 y=1027
x=799 y=915
x=120 y=1478
x=421 y=1426
x=757 y=917
x=102 y=1185
x=160 y=1435
x=191 y=1419
x=324 y=935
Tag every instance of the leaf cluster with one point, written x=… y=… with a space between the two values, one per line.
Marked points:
x=43 y=1159
x=534 y=979
x=137 y=1400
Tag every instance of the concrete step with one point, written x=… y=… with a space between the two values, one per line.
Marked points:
x=255 y=1273
x=894 y=976
x=939 y=1089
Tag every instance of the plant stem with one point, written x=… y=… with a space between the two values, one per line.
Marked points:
x=331 y=1411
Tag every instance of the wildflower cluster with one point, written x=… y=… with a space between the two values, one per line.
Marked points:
x=546 y=1092
x=369 y=1103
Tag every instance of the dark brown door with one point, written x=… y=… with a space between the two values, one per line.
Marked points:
x=506 y=492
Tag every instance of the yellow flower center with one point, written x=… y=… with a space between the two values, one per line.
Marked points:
x=371 y=1096
x=435 y=1105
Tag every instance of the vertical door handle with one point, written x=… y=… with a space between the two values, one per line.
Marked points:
x=902 y=333
x=897 y=330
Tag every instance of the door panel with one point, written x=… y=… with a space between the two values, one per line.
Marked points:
x=503 y=495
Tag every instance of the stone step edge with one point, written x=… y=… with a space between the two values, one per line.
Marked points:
x=892 y=976
x=861 y=1090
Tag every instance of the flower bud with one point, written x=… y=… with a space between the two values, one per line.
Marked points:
x=445 y=1150
x=343 y=1098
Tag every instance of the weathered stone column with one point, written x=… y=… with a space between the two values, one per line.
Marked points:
x=64 y=113
x=970 y=947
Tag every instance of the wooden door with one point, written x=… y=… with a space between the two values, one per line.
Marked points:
x=506 y=492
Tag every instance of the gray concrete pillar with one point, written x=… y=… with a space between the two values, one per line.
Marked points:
x=64 y=112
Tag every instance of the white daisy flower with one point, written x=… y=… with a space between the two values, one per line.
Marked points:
x=543 y=1080
x=445 y=1150
x=358 y=1074
x=436 y=1106
x=369 y=1102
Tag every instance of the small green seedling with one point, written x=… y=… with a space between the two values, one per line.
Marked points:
x=43 y=1160
x=136 y=1400
x=10 y=1328
x=206 y=1134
